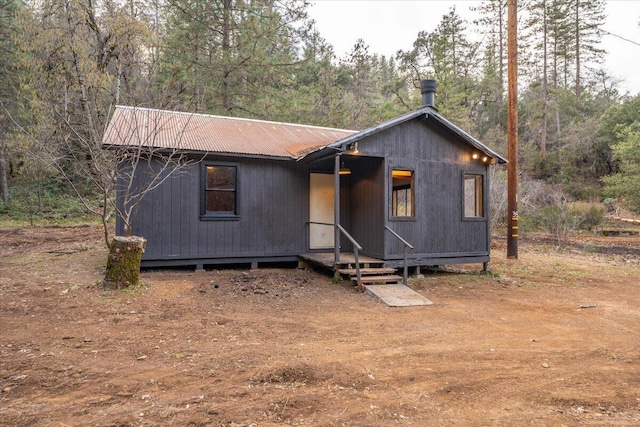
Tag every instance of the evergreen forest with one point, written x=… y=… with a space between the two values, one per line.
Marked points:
x=65 y=64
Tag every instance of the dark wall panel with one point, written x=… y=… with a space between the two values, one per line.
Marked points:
x=273 y=206
x=273 y=203
x=439 y=160
x=367 y=207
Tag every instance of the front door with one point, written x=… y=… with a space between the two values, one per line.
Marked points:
x=321 y=210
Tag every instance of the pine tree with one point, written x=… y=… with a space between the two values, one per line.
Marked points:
x=447 y=55
x=587 y=18
x=231 y=56
x=492 y=23
x=8 y=79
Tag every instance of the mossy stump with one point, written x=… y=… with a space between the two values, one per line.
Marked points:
x=123 y=263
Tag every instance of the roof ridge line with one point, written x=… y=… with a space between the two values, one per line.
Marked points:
x=128 y=107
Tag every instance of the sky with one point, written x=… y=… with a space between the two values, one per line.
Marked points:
x=387 y=26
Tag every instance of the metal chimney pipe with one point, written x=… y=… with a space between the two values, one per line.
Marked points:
x=428 y=90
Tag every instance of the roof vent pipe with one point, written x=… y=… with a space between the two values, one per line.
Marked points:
x=428 y=90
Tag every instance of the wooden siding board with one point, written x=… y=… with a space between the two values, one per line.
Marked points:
x=268 y=210
x=257 y=197
x=170 y=216
x=174 y=209
x=185 y=240
x=300 y=185
x=196 y=238
x=438 y=161
x=156 y=212
x=281 y=188
x=256 y=194
x=367 y=205
x=274 y=202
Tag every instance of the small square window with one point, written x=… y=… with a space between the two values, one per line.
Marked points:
x=402 y=200
x=473 y=196
x=220 y=192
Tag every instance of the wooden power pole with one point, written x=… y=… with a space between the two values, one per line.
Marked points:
x=512 y=129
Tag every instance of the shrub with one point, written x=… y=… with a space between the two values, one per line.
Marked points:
x=592 y=214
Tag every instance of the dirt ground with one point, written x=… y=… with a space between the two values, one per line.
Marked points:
x=550 y=339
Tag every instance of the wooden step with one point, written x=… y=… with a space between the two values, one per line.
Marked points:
x=367 y=271
x=379 y=279
x=349 y=265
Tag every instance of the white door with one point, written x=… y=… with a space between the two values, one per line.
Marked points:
x=321 y=204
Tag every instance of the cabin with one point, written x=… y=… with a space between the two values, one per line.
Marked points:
x=409 y=192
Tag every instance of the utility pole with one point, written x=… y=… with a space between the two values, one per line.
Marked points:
x=512 y=130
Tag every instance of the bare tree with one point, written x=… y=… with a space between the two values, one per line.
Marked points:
x=132 y=162
x=147 y=147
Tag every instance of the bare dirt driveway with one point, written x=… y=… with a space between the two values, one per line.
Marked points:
x=551 y=339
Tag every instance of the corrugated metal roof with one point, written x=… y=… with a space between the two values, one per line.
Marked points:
x=133 y=126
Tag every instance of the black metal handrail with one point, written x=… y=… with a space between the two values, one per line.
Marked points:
x=356 y=249
x=405 y=273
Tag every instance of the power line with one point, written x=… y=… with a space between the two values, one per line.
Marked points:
x=620 y=37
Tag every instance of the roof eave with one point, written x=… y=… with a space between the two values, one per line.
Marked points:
x=203 y=153
x=464 y=135
x=320 y=154
x=342 y=144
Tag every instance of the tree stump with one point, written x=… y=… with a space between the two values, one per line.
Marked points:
x=123 y=263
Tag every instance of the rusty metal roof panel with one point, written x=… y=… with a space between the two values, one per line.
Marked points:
x=133 y=126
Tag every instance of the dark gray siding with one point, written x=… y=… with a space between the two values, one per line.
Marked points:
x=273 y=205
x=368 y=205
x=273 y=210
x=439 y=160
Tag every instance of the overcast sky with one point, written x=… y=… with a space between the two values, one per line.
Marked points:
x=389 y=25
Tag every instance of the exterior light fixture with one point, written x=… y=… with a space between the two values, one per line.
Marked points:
x=354 y=148
x=485 y=159
x=475 y=156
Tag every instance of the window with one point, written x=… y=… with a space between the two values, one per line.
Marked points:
x=402 y=193
x=220 y=190
x=473 y=196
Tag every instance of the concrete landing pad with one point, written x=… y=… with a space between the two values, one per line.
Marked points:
x=396 y=295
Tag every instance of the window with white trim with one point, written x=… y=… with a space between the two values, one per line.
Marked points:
x=473 y=196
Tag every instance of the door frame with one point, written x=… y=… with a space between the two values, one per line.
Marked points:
x=321 y=209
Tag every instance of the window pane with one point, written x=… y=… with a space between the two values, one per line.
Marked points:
x=402 y=202
x=473 y=197
x=220 y=193
x=221 y=177
x=402 y=193
x=221 y=201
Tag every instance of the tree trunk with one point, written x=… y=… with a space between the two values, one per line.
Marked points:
x=545 y=84
x=577 y=29
x=226 y=55
x=501 y=41
x=4 y=183
x=123 y=263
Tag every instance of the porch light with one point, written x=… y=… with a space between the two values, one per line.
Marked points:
x=475 y=156
x=354 y=148
x=485 y=159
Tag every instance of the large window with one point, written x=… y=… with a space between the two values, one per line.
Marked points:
x=473 y=196
x=402 y=200
x=220 y=190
